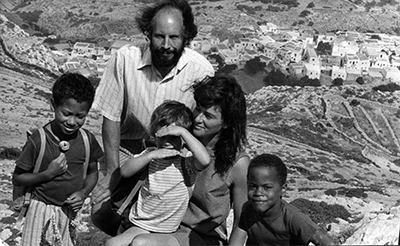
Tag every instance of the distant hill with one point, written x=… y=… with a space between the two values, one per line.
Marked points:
x=95 y=19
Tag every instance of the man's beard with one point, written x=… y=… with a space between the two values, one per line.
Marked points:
x=165 y=58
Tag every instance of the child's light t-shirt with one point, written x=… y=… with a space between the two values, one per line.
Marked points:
x=164 y=196
x=288 y=227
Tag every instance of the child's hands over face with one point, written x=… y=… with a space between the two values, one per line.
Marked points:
x=172 y=130
x=76 y=200
x=57 y=166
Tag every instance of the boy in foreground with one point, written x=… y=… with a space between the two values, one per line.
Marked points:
x=266 y=219
x=63 y=182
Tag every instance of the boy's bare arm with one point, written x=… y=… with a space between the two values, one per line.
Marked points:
x=135 y=164
x=91 y=179
x=322 y=238
x=200 y=153
x=76 y=199
x=57 y=167
x=138 y=162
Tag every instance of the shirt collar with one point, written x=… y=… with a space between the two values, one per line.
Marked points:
x=146 y=59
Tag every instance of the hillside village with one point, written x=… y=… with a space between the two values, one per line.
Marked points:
x=352 y=54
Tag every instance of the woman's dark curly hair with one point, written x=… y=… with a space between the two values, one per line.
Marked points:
x=145 y=21
x=225 y=92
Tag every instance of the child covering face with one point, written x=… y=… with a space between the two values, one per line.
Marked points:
x=267 y=219
x=171 y=173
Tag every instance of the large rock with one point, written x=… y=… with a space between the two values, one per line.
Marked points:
x=377 y=229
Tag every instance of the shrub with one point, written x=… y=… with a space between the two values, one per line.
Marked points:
x=310 y=5
x=360 y=80
x=305 y=13
x=388 y=87
x=321 y=212
x=337 y=82
x=324 y=48
x=10 y=153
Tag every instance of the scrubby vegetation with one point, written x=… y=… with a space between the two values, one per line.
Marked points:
x=387 y=87
x=9 y=153
x=276 y=77
x=349 y=192
x=321 y=212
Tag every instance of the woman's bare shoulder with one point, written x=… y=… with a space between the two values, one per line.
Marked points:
x=239 y=168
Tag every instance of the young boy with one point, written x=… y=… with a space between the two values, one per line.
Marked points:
x=266 y=219
x=59 y=187
x=164 y=196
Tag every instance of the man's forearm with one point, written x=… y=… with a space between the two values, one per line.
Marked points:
x=111 y=141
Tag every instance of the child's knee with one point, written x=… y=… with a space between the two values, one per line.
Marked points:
x=140 y=240
x=111 y=242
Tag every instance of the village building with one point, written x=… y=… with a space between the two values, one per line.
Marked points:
x=338 y=72
x=392 y=74
x=296 y=70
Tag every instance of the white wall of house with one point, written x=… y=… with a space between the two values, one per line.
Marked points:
x=338 y=72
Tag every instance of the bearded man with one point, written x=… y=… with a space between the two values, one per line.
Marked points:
x=136 y=80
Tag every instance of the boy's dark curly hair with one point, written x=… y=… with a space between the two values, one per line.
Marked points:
x=75 y=86
x=270 y=161
x=145 y=21
x=225 y=92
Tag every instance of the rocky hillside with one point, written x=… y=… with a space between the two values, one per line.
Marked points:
x=341 y=145
x=95 y=19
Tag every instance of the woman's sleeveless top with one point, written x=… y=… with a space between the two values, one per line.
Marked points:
x=211 y=202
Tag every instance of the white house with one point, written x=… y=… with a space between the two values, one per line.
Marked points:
x=310 y=56
x=268 y=28
x=342 y=46
x=313 y=72
x=196 y=43
x=296 y=70
x=338 y=72
x=352 y=61
x=229 y=56
x=326 y=38
x=364 y=62
x=270 y=51
x=83 y=49
x=392 y=73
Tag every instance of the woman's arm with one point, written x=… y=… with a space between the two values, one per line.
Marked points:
x=238 y=178
x=238 y=237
